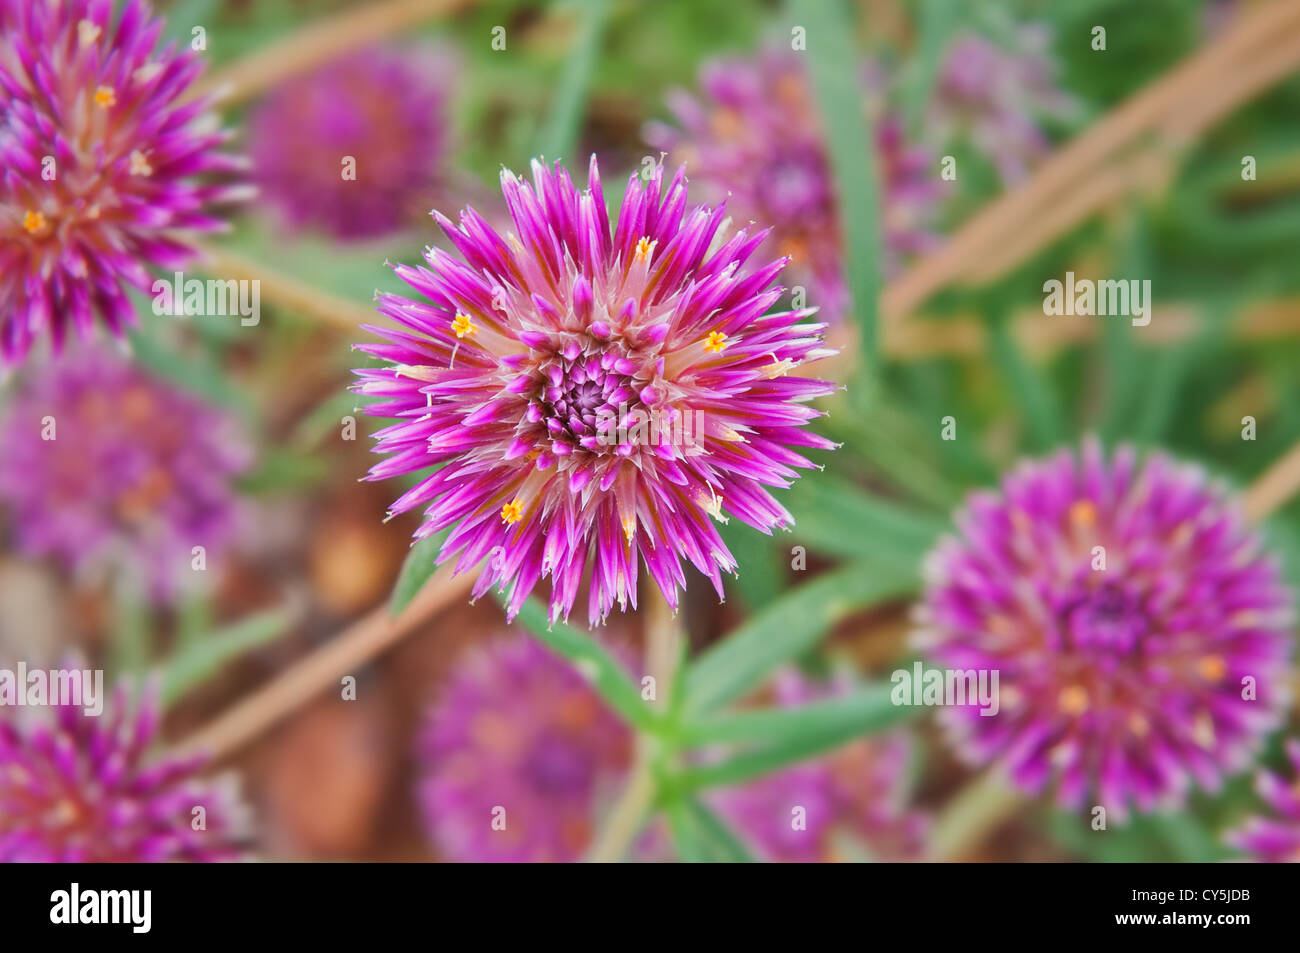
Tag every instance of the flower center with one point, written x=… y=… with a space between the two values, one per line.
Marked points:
x=556 y=767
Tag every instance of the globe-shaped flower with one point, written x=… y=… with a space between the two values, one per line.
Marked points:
x=1275 y=840
x=994 y=96
x=849 y=804
x=593 y=395
x=1139 y=633
x=755 y=137
x=79 y=788
x=108 y=468
x=518 y=758
x=105 y=167
x=355 y=147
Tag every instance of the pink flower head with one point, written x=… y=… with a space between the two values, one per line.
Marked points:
x=1275 y=839
x=77 y=789
x=105 y=166
x=382 y=110
x=593 y=397
x=852 y=802
x=518 y=757
x=107 y=467
x=755 y=138
x=1140 y=634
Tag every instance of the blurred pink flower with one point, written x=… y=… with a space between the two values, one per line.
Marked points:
x=384 y=110
x=519 y=741
x=79 y=790
x=1140 y=633
x=106 y=169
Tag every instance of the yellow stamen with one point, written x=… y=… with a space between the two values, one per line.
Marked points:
x=512 y=512
x=1138 y=724
x=1074 y=700
x=105 y=97
x=643 y=249
x=1083 y=513
x=463 y=326
x=629 y=527
x=1212 y=668
x=33 y=222
x=715 y=342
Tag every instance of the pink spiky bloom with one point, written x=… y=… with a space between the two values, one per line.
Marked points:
x=1275 y=840
x=383 y=108
x=994 y=96
x=105 y=168
x=107 y=468
x=517 y=730
x=755 y=137
x=593 y=396
x=854 y=801
x=78 y=788
x=1140 y=633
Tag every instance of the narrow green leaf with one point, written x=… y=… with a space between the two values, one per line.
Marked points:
x=837 y=518
x=607 y=677
x=761 y=576
x=420 y=564
x=788 y=736
x=867 y=709
x=791 y=626
x=561 y=128
x=1029 y=390
x=700 y=836
x=835 y=67
x=200 y=659
x=935 y=24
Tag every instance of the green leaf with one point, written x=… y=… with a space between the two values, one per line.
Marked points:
x=785 y=736
x=1031 y=392
x=761 y=576
x=607 y=677
x=420 y=564
x=201 y=658
x=935 y=24
x=561 y=127
x=791 y=626
x=700 y=836
x=837 y=518
x=280 y=469
x=835 y=67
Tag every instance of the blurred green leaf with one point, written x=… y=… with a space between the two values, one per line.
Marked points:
x=200 y=659
x=570 y=102
x=936 y=22
x=784 y=736
x=198 y=373
x=700 y=836
x=791 y=626
x=1030 y=390
x=837 y=518
x=835 y=66
x=761 y=575
x=420 y=564
x=282 y=469
x=607 y=677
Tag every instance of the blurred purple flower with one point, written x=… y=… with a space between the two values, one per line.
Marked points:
x=104 y=465
x=385 y=110
x=1275 y=840
x=105 y=168
x=516 y=729
x=755 y=138
x=995 y=96
x=77 y=789
x=593 y=398
x=855 y=797
x=1140 y=635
